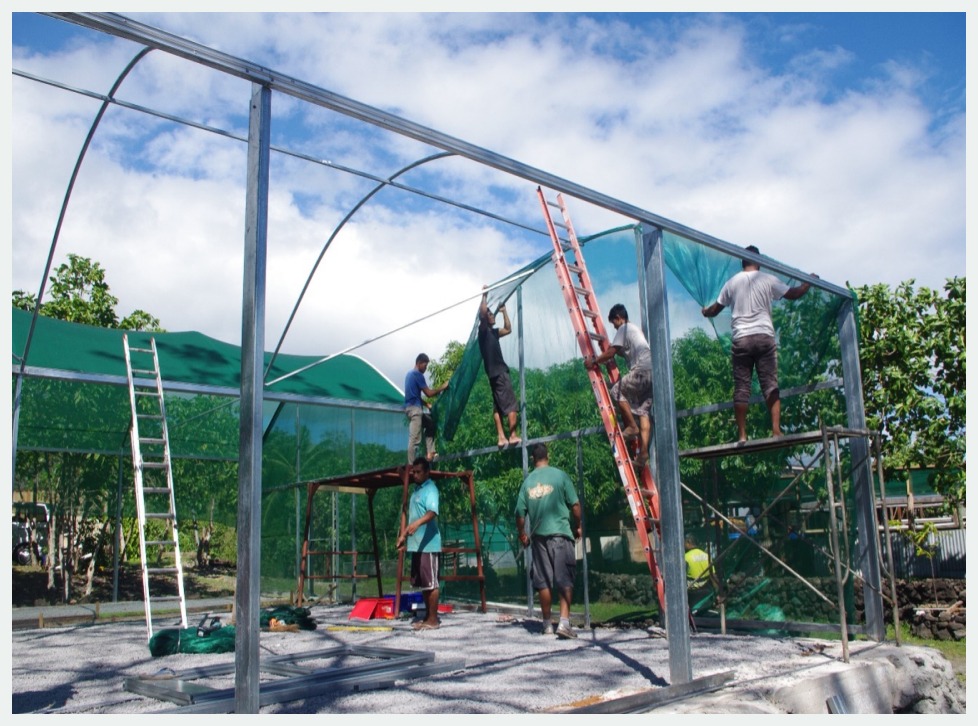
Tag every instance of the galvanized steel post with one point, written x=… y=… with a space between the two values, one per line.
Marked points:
x=666 y=444
x=248 y=584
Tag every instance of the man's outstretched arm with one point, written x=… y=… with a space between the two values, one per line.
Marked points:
x=711 y=311
x=507 y=326
x=796 y=292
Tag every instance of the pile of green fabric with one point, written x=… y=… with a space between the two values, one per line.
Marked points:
x=192 y=640
x=287 y=615
x=215 y=638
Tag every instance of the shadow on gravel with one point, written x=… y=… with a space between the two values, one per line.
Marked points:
x=33 y=701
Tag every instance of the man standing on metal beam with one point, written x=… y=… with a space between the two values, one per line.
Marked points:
x=414 y=408
x=751 y=292
x=503 y=397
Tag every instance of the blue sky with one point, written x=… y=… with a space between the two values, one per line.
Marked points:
x=833 y=141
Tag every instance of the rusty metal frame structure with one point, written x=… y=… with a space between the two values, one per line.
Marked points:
x=368 y=483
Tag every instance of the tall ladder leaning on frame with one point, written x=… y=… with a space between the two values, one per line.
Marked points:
x=153 y=477
x=582 y=304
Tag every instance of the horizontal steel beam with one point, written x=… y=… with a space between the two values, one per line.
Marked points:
x=202 y=389
x=123 y=27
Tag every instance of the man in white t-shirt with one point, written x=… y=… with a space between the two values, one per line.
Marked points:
x=749 y=293
x=636 y=385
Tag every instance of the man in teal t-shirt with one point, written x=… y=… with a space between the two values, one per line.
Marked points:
x=548 y=499
x=420 y=535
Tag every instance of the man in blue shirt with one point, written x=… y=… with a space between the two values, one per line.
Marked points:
x=421 y=537
x=414 y=408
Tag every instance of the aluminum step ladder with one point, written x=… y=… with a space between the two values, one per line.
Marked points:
x=162 y=580
x=582 y=304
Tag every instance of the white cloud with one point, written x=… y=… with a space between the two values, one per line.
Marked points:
x=862 y=185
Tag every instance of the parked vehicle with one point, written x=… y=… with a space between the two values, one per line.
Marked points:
x=29 y=518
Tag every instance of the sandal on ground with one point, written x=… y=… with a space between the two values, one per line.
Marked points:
x=425 y=625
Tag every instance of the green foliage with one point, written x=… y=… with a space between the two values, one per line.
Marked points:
x=441 y=370
x=920 y=537
x=702 y=375
x=79 y=293
x=73 y=484
x=912 y=352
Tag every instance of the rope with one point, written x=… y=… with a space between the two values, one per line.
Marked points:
x=507 y=281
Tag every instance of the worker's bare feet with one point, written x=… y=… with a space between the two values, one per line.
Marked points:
x=514 y=440
x=501 y=443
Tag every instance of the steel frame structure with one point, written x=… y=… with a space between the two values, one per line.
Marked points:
x=295 y=680
x=828 y=454
x=651 y=270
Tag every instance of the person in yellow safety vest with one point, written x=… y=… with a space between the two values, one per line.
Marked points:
x=697 y=564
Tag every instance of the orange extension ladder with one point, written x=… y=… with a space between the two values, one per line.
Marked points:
x=640 y=488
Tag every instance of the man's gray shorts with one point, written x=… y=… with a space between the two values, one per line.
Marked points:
x=636 y=388
x=748 y=352
x=554 y=562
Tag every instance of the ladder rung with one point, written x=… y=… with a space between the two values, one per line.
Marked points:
x=159 y=542
x=154 y=465
x=160 y=515
x=156 y=490
x=149 y=415
x=582 y=303
x=143 y=440
x=144 y=370
x=133 y=349
x=166 y=598
x=160 y=570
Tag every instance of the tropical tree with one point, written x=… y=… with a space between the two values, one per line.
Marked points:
x=912 y=352
x=79 y=293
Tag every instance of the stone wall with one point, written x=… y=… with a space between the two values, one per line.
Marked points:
x=940 y=617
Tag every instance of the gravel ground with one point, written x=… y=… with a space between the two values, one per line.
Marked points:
x=496 y=662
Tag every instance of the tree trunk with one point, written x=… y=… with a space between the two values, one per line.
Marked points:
x=103 y=528
x=53 y=554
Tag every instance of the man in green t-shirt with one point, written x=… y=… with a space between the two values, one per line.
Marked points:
x=549 y=501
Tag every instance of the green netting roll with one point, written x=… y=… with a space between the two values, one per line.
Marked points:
x=187 y=640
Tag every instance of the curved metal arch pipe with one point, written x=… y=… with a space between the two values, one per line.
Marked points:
x=54 y=243
x=322 y=253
